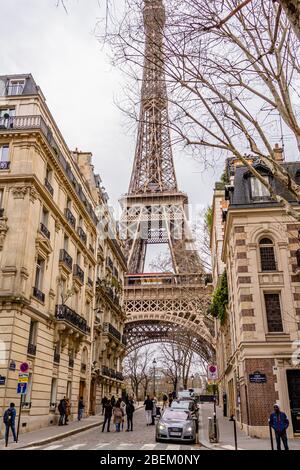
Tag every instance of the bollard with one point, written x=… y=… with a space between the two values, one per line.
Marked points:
x=232 y=418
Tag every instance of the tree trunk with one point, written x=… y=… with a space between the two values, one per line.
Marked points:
x=292 y=11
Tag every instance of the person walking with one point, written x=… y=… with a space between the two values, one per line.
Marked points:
x=129 y=413
x=68 y=411
x=170 y=398
x=154 y=409
x=118 y=415
x=279 y=422
x=107 y=415
x=9 y=419
x=113 y=401
x=123 y=407
x=103 y=403
x=62 y=411
x=148 y=403
x=80 y=408
x=165 y=400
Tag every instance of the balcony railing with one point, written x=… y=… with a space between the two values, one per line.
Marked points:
x=78 y=273
x=38 y=294
x=65 y=258
x=109 y=328
x=31 y=349
x=82 y=234
x=56 y=358
x=44 y=230
x=4 y=165
x=113 y=374
x=70 y=217
x=65 y=313
x=49 y=187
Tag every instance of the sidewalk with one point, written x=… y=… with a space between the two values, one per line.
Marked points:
x=226 y=441
x=52 y=433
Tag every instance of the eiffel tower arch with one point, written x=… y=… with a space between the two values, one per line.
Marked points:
x=167 y=306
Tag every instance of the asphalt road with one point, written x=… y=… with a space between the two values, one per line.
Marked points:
x=141 y=438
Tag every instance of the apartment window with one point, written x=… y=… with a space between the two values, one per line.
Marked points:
x=4 y=153
x=66 y=243
x=1 y=197
x=267 y=255
x=53 y=393
x=6 y=118
x=273 y=312
x=33 y=332
x=45 y=217
x=39 y=273
x=49 y=174
x=78 y=258
x=69 y=389
x=16 y=87
x=259 y=192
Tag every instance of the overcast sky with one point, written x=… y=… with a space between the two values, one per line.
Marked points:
x=81 y=88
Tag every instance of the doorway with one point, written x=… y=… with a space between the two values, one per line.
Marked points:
x=293 y=380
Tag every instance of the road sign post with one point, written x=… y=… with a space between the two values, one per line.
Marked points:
x=21 y=390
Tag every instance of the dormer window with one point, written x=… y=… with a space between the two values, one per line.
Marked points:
x=259 y=192
x=16 y=87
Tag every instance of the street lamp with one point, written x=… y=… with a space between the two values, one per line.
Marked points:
x=154 y=364
x=192 y=377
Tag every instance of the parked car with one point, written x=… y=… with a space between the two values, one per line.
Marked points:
x=185 y=395
x=187 y=405
x=177 y=425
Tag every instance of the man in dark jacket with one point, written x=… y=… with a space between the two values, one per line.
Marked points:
x=107 y=415
x=80 y=408
x=129 y=414
x=148 y=408
x=9 y=419
x=113 y=401
x=279 y=422
x=62 y=408
x=103 y=403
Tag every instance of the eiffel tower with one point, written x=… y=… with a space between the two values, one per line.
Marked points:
x=168 y=306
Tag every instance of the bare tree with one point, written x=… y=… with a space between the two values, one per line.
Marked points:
x=232 y=88
x=136 y=368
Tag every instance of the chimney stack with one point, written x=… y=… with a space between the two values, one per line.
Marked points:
x=278 y=153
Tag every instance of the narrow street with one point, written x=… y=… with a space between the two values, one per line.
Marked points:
x=141 y=438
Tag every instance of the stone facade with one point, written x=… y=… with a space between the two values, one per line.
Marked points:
x=261 y=329
x=49 y=258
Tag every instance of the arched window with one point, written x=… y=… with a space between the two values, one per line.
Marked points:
x=267 y=255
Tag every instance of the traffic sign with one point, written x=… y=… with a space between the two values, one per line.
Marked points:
x=23 y=378
x=212 y=372
x=22 y=388
x=24 y=367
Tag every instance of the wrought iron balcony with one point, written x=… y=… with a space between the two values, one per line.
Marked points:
x=31 y=349
x=78 y=273
x=119 y=376
x=71 y=362
x=112 y=373
x=66 y=314
x=38 y=294
x=70 y=217
x=4 y=165
x=65 y=258
x=49 y=187
x=56 y=358
x=105 y=371
x=109 y=328
x=82 y=234
x=44 y=230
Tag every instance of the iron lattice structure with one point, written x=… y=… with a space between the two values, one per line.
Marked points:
x=155 y=211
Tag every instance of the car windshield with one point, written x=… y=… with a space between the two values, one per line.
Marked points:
x=182 y=405
x=172 y=415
